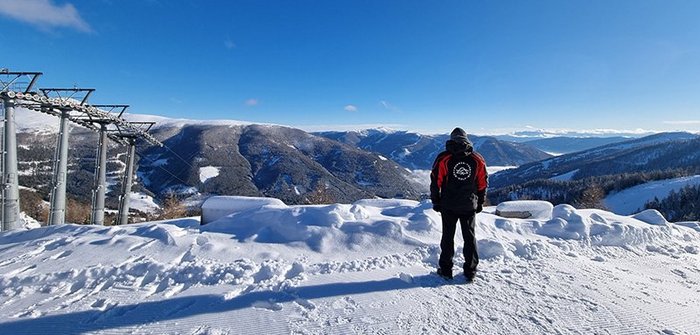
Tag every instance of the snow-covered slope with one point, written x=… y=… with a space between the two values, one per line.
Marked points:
x=360 y=268
x=28 y=120
x=655 y=152
x=633 y=199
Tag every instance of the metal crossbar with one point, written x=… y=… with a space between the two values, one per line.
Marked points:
x=71 y=105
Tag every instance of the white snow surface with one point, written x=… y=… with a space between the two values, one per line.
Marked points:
x=28 y=222
x=633 y=199
x=208 y=172
x=214 y=208
x=358 y=268
x=565 y=176
x=143 y=202
x=493 y=169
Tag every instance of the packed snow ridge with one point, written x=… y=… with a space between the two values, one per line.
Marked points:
x=353 y=268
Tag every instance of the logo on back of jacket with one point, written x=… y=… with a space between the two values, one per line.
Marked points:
x=462 y=171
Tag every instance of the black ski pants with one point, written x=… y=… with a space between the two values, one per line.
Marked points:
x=447 y=244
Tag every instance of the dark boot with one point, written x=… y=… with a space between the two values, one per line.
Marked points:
x=447 y=274
x=469 y=276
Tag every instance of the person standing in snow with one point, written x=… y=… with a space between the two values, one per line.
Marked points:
x=458 y=184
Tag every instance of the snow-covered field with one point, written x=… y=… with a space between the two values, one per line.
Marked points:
x=361 y=268
x=143 y=202
x=633 y=199
x=208 y=172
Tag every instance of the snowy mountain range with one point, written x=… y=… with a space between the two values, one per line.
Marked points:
x=269 y=160
x=417 y=151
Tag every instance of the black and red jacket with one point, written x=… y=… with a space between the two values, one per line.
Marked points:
x=459 y=179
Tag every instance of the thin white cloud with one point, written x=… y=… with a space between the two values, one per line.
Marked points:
x=44 y=14
x=350 y=108
x=389 y=106
x=683 y=122
x=531 y=131
x=229 y=44
x=252 y=102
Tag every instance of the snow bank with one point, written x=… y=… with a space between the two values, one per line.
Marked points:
x=366 y=224
x=651 y=216
x=648 y=229
x=217 y=207
x=376 y=223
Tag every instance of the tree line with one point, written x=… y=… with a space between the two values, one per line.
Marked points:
x=589 y=192
x=681 y=205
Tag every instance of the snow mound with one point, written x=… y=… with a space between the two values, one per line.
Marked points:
x=603 y=228
x=217 y=207
x=524 y=238
x=651 y=216
x=489 y=248
x=366 y=224
x=525 y=209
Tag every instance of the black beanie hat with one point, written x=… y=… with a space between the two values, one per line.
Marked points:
x=459 y=135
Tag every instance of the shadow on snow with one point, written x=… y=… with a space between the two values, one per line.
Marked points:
x=183 y=307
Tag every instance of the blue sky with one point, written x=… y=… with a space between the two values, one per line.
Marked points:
x=487 y=66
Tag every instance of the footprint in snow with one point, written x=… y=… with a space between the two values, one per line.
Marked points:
x=21 y=270
x=347 y=304
x=270 y=305
x=201 y=240
x=679 y=273
x=306 y=304
x=61 y=255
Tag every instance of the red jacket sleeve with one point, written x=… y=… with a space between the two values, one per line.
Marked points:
x=437 y=176
x=482 y=177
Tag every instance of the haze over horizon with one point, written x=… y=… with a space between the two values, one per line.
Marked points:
x=410 y=65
